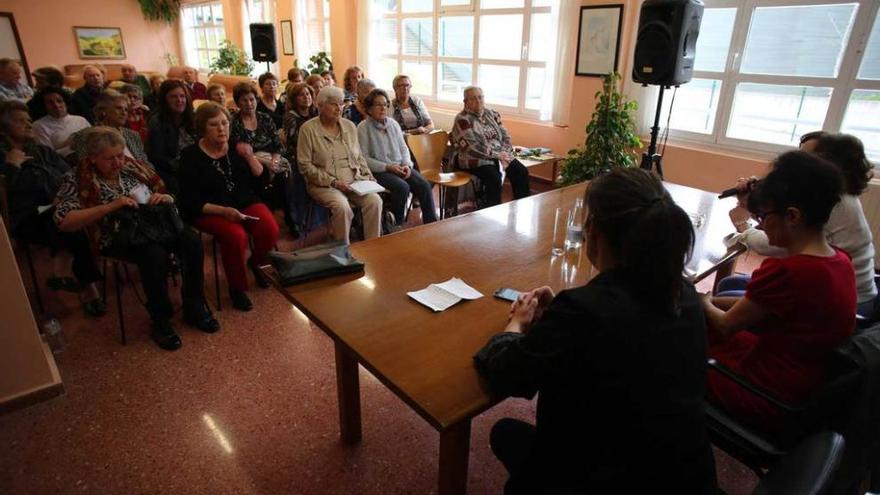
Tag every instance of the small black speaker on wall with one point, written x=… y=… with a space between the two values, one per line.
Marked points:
x=666 y=42
x=263 y=42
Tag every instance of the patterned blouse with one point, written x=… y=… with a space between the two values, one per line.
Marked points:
x=68 y=198
x=292 y=122
x=263 y=138
x=477 y=140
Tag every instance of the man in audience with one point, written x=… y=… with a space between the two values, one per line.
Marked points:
x=11 y=87
x=84 y=98
x=130 y=76
x=482 y=147
x=196 y=89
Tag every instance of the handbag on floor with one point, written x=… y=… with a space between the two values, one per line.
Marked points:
x=314 y=262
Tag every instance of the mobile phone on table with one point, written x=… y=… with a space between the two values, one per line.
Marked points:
x=507 y=294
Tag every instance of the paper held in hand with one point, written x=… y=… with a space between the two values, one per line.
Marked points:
x=441 y=296
x=364 y=187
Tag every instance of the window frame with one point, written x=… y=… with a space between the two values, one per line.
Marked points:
x=841 y=86
x=211 y=52
x=474 y=10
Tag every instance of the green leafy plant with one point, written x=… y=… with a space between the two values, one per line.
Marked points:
x=319 y=62
x=160 y=10
x=232 y=60
x=611 y=141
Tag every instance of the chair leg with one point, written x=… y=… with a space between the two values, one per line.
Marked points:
x=216 y=274
x=30 y=261
x=118 y=283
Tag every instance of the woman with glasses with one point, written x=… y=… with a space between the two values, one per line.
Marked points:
x=618 y=364
x=383 y=146
x=408 y=110
x=797 y=308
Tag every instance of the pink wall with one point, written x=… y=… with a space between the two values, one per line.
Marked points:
x=46 y=30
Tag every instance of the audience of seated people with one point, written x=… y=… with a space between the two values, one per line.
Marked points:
x=218 y=195
x=329 y=78
x=329 y=157
x=56 y=127
x=619 y=364
x=797 y=308
x=11 y=85
x=45 y=77
x=408 y=110
x=90 y=197
x=268 y=102
x=482 y=147
x=349 y=82
x=257 y=129
x=295 y=76
x=357 y=110
x=137 y=111
x=130 y=76
x=111 y=110
x=86 y=96
x=216 y=93
x=197 y=90
x=385 y=150
x=171 y=129
x=315 y=82
x=33 y=173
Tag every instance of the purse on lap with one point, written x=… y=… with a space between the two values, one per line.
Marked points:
x=134 y=227
x=311 y=263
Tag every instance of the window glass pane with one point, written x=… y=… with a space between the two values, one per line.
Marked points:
x=326 y=8
x=695 y=105
x=871 y=60
x=218 y=13
x=799 y=40
x=383 y=72
x=453 y=78
x=204 y=60
x=449 y=3
x=409 y=6
x=421 y=75
x=541 y=40
x=501 y=4
x=456 y=36
x=501 y=36
x=418 y=36
x=542 y=3
x=500 y=84
x=388 y=42
x=535 y=88
x=383 y=6
x=861 y=120
x=202 y=39
x=714 y=41
x=777 y=114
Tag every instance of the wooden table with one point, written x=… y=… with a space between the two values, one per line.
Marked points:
x=425 y=358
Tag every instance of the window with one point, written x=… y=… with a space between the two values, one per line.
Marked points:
x=767 y=71
x=312 y=29
x=203 y=32
x=503 y=46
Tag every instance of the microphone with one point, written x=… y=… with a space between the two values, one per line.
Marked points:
x=728 y=193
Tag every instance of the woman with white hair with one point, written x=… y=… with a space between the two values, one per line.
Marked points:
x=330 y=159
x=358 y=111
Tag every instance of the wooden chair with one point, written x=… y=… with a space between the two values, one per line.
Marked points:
x=25 y=246
x=429 y=149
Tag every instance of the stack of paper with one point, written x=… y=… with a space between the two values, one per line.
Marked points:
x=441 y=296
x=364 y=187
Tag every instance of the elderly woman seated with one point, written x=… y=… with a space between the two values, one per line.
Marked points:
x=112 y=111
x=386 y=153
x=330 y=159
x=57 y=126
x=317 y=83
x=137 y=111
x=408 y=110
x=357 y=111
x=268 y=102
x=218 y=195
x=170 y=129
x=107 y=190
x=33 y=172
x=256 y=128
x=350 y=79
x=45 y=77
x=217 y=93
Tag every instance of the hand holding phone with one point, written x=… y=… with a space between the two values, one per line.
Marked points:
x=507 y=294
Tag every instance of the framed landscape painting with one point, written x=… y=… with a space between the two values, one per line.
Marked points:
x=99 y=42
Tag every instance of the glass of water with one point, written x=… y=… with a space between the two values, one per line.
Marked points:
x=560 y=224
x=575 y=226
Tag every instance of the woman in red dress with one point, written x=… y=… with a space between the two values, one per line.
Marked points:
x=796 y=309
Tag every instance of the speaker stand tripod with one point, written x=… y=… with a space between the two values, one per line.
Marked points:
x=650 y=158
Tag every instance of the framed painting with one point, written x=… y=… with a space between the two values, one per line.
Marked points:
x=287 y=37
x=598 y=46
x=99 y=42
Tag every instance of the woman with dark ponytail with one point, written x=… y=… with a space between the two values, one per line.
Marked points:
x=619 y=363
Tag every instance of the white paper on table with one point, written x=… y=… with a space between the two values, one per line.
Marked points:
x=364 y=187
x=441 y=296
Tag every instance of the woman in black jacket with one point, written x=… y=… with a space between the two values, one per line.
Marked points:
x=170 y=130
x=619 y=363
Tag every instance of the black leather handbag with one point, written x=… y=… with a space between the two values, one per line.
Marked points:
x=134 y=227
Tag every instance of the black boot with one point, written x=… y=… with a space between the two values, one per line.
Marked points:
x=164 y=336
x=240 y=300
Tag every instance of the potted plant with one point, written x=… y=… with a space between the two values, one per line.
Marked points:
x=319 y=62
x=160 y=10
x=231 y=60
x=612 y=141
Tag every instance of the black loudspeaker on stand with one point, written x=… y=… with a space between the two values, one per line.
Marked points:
x=664 y=55
x=263 y=43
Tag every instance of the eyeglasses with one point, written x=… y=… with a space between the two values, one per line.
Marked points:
x=381 y=105
x=761 y=216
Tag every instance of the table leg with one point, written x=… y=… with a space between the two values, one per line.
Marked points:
x=455 y=447
x=349 y=395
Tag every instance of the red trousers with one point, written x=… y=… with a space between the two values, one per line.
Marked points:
x=233 y=239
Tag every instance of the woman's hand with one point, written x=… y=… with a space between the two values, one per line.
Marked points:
x=739 y=216
x=157 y=198
x=543 y=295
x=245 y=150
x=522 y=314
x=743 y=188
x=398 y=170
x=123 y=202
x=16 y=157
x=232 y=215
x=341 y=186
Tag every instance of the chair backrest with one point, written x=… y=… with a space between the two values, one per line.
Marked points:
x=808 y=469
x=428 y=149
